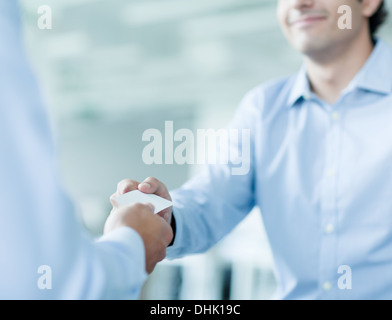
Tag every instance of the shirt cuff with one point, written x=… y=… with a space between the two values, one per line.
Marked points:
x=123 y=234
x=131 y=239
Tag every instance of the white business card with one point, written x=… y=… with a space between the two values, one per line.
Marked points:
x=137 y=196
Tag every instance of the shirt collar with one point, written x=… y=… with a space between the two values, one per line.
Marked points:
x=375 y=76
x=300 y=89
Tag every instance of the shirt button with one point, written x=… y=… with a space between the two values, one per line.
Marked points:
x=307 y=97
x=331 y=173
x=335 y=116
x=327 y=286
x=329 y=228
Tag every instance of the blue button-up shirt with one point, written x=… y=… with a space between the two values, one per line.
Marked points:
x=44 y=251
x=322 y=177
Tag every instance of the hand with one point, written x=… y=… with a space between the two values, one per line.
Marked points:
x=153 y=229
x=149 y=185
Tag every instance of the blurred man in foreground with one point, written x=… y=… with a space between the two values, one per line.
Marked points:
x=44 y=251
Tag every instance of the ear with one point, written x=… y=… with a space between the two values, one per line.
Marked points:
x=369 y=7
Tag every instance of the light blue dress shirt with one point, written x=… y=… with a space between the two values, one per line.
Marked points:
x=44 y=251
x=322 y=177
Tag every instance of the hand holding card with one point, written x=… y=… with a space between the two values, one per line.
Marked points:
x=137 y=196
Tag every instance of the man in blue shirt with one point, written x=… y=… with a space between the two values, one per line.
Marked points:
x=321 y=162
x=44 y=251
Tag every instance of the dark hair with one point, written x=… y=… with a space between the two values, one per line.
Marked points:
x=378 y=18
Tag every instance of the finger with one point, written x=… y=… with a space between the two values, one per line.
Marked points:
x=153 y=185
x=151 y=207
x=166 y=215
x=113 y=200
x=167 y=231
x=126 y=185
x=169 y=236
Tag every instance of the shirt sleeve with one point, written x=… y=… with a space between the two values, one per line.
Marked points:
x=212 y=203
x=44 y=250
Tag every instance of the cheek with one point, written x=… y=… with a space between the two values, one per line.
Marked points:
x=282 y=18
x=281 y=12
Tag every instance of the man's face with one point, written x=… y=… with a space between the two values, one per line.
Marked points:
x=311 y=26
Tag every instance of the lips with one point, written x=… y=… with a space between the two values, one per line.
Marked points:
x=307 y=20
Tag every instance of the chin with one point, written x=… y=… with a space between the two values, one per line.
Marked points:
x=309 y=46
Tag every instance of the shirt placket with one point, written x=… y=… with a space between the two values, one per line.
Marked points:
x=328 y=221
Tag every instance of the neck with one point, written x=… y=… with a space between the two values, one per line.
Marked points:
x=332 y=71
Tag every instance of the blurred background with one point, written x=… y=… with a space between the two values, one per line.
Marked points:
x=109 y=70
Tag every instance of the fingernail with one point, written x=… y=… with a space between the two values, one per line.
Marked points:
x=145 y=185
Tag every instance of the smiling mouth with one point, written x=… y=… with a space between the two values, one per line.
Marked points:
x=307 y=21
